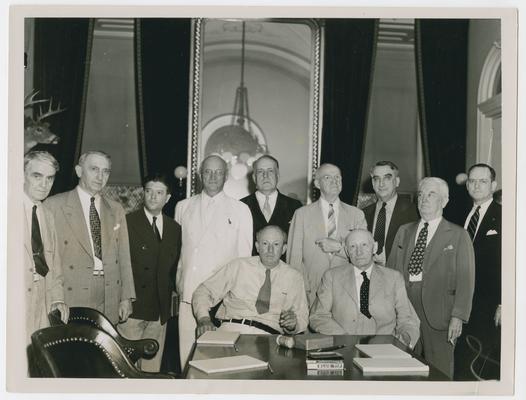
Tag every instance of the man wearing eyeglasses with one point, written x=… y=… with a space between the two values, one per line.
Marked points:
x=216 y=229
x=390 y=210
x=318 y=230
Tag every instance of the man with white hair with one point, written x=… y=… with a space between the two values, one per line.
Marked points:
x=437 y=260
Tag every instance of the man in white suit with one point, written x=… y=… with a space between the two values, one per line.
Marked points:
x=364 y=298
x=216 y=229
x=318 y=230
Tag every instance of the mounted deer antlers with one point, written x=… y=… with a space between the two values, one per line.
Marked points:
x=35 y=130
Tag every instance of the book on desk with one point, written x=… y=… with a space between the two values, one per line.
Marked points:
x=218 y=338
x=229 y=364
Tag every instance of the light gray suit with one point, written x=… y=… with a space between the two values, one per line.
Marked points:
x=77 y=256
x=336 y=310
x=308 y=226
x=42 y=293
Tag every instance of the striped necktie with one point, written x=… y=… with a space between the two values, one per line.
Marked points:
x=331 y=231
x=473 y=222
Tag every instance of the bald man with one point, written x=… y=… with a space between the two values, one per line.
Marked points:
x=318 y=230
x=364 y=298
x=216 y=229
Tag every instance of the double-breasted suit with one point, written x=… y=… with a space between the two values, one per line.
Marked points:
x=308 y=226
x=207 y=245
x=77 y=256
x=281 y=216
x=404 y=211
x=448 y=281
x=154 y=265
x=336 y=310
x=41 y=293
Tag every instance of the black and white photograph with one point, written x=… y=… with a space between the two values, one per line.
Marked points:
x=308 y=201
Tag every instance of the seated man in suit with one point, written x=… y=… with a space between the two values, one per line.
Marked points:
x=483 y=223
x=436 y=259
x=267 y=205
x=364 y=298
x=261 y=294
x=318 y=230
x=390 y=210
x=155 y=244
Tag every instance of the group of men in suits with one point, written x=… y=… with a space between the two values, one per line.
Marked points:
x=392 y=268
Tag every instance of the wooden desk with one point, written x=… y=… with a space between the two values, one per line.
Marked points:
x=289 y=364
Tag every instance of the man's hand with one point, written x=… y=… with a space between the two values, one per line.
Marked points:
x=63 y=309
x=125 y=310
x=288 y=320
x=497 y=316
x=454 y=330
x=329 y=245
x=405 y=338
x=203 y=325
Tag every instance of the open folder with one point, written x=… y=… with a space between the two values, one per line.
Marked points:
x=229 y=364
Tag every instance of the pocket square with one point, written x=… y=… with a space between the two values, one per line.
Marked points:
x=491 y=232
x=116 y=227
x=450 y=247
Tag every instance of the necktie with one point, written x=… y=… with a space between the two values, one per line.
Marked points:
x=332 y=221
x=36 y=245
x=267 y=212
x=156 y=230
x=417 y=257
x=473 y=222
x=94 y=223
x=263 y=301
x=379 y=230
x=364 y=296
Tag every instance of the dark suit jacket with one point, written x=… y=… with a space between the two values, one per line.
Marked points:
x=487 y=245
x=448 y=268
x=282 y=215
x=154 y=265
x=404 y=211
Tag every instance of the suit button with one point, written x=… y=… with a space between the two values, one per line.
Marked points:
x=146 y=268
x=29 y=289
x=69 y=289
x=118 y=282
x=116 y=261
x=71 y=267
x=143 y=247
x=143 y=286
x=65 y=242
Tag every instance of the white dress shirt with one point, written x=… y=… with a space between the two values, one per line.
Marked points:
x=483 y=208
x=325 y=212
x=272 y=199
x=358 y=277
x=85 y=201
x=158 y=221
x=431 y=229
x=389 y=208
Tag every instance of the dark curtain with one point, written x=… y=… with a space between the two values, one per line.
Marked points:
x=61 y=56
x=162 y=50
x=441 y=48
x=349 y=59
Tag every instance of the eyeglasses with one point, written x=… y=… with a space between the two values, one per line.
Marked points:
x=218 y=172
x=330 y=178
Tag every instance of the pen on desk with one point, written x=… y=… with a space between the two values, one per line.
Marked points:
x=340 y=346
x=270 y=368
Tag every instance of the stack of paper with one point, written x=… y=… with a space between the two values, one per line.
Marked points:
x=391 y=366
x=382 y=351
x=229 y=364
x=218 y=338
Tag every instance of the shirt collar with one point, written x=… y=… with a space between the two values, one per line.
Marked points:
x=358 y=271
x=484 y=206
x=325 y=203
x=432 y=224
x=85 y=195
x=208 y=199
x=28 y=202
x=271 y=196
x=389 y=204
x=150 y=216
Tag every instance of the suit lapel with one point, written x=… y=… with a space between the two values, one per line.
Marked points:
x=75 y=218
x=437 y=244
x=342 y=219
x=487 y=223
x=376 y=283
x=411 y=231
x=349 y=284
x=279 y=210
x=107 y=225
x=395 y=217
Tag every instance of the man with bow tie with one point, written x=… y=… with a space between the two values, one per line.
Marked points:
x=437 y=261
x=216 y=229
x=43 y=277
x=93 y=242
x=483 y=223
x=155 y=244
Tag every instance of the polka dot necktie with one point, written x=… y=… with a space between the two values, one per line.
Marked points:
x=379 y=231
x=417 y=258
x=94 y=222
x=364 y=296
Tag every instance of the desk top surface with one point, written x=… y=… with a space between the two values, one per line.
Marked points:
x=289 y=364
